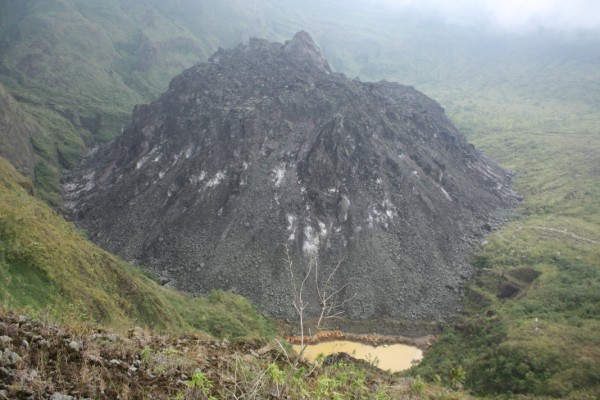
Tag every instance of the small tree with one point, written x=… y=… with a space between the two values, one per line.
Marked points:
x=298 y=295
x=326 y=294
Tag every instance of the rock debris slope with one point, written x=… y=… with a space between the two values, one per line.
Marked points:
x=265 y=145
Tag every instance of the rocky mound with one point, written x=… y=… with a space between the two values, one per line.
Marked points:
x=264 y=145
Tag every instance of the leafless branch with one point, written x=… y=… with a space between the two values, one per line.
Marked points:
x=326 y=295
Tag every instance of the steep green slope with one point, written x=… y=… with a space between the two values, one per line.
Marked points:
x=16 y=130
x=46 y=265
x=78 y=68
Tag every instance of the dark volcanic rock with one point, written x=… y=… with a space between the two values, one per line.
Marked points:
x=265 y=145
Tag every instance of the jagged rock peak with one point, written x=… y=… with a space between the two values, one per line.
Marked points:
x=303 y=47
x=261 y=146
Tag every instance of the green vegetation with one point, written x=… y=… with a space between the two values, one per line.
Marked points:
x=100 y=364
x=532 y=312
x=47 y=266
x=16 y=129
x=78 y=68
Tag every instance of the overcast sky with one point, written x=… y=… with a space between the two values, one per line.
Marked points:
x=512 y=15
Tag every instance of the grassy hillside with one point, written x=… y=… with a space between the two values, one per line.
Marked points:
x=47 y=266
x=16 y=130
x=533 y=311
x=78 y=67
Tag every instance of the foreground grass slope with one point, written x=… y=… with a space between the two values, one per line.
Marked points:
x=59 y=361
x=46 y=265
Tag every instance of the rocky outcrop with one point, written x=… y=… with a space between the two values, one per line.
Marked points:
x=264 y=145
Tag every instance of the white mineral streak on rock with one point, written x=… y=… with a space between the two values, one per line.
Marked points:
x=322 y=229
x=311 y=242
x=89 y=181
x=219 y=176
x=279 y=175
x=291 y=219
x=74 y=189
x=141 y=162
x=381 y=216
x=446 y=193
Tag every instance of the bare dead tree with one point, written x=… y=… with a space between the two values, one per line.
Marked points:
x=327 y=294
x=298 y=292
x=299 y=305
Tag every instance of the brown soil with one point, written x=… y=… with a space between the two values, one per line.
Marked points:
x=41 y=360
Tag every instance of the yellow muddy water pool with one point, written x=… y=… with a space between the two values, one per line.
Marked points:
x=393 y=357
